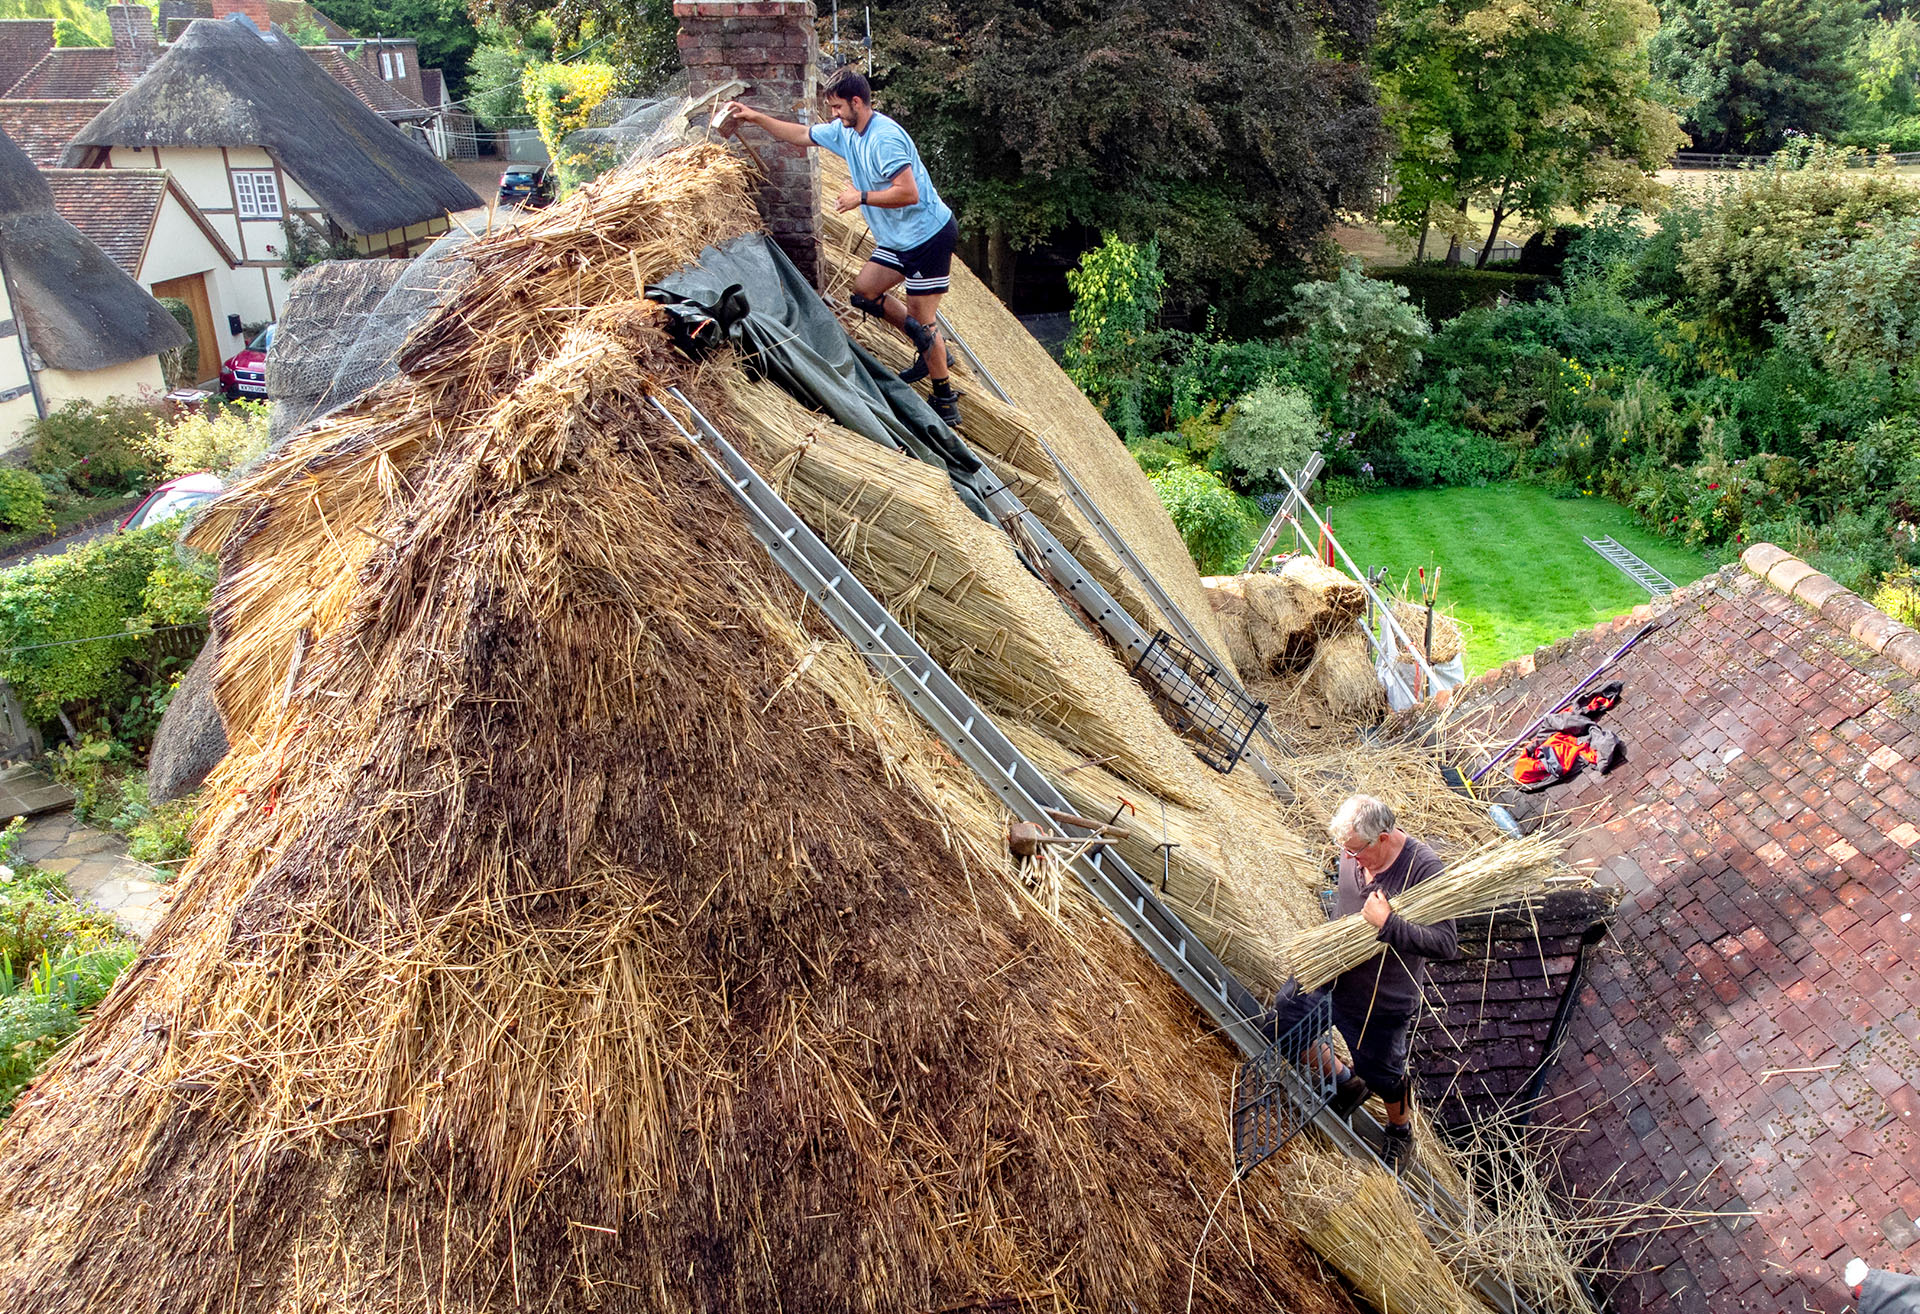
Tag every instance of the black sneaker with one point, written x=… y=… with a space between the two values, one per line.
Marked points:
x=1396 y=1145
x=1348 y=1096
x=947 y=407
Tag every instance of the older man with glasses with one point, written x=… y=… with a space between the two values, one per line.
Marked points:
x=1374 y=1005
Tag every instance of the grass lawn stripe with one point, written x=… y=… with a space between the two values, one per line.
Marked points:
x=1514 y=569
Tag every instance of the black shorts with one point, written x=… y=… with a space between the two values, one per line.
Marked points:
x=929 y=266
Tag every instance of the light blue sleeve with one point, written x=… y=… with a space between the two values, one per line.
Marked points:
x=830 y=135
x=892 y=151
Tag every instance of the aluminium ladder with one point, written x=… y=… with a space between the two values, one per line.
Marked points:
x=1631 y=566
x=1083 y=502
x=947 y=709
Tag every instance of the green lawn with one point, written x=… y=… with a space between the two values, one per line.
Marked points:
x=1513 y=568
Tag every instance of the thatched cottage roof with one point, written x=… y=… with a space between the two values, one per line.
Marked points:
x=581 y=927
x=81 y=310
x=225 y=84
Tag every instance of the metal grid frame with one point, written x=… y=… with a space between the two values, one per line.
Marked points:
x=1275 y=1096
x=1202 y=705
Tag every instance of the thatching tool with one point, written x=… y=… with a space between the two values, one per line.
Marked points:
x=1571 y=694
x=1106 y=828
x=1166 y=848
x=724 y=123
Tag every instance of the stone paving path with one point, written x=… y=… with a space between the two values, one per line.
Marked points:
x=97 y=869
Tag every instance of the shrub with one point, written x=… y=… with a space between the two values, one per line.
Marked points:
x=95 y=446
x=1858 y=303
x=1205 y=512
x=1272 y=428
x=1899 y=595
x=164 y=833
x=1362 y=328
x=23 y=500
x=1208 y=372
x=95 y=589
x=218 y=440
x=1442 y=453
x=1155 y=454
x=1116 y=300
x=1442 y=291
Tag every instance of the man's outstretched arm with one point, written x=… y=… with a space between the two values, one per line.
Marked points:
x=794 y=134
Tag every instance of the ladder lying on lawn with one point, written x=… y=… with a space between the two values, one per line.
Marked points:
x=1030 y=796
x=1632 y=567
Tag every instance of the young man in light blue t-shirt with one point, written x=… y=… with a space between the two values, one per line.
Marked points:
x=914 y=232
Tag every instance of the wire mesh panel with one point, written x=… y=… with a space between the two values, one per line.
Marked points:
x=1203 y=707
x=1276 y=1094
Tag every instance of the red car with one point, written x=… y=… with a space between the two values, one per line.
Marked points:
x=245 y=373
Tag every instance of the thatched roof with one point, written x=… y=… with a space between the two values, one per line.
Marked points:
x=225 y=84
x=81 y=310
x=577 y=925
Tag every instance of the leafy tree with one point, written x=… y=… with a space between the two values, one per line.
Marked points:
x=1524 y=108
x=1116 y=304
x=1272 y=428
x=1886 y=69
x=499 y=63
x=1859 y=307
x=67 y=32
x=1229 y=131
x=637 y=38
x=442 y=29
x=562 y=98
x=1755 y=73
x=1362 y=330
x=1755 y=247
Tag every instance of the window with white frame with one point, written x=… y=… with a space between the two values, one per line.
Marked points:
x=257 y=192
x=386 y=65
x=400 y=63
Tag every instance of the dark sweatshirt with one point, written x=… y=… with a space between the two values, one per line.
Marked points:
x=1389 y=986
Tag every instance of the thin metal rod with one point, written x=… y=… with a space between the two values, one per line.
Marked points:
x=1555 y=706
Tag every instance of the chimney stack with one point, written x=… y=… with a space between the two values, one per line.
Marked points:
x=771 y=46
x=134 y=44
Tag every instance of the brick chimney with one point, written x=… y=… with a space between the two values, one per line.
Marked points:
x=134 y=45
x=770 y=45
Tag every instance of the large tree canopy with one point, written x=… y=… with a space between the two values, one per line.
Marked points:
x=1522 y=108
x=1755 y=72
x=1230 y=131
x=441 y=28
x=634 y=37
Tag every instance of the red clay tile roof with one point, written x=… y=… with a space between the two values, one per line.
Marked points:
x=22 y=43
x=372 y=92
x=42 y=128
x=1752 y=1034
x=286 y=14
x=74 y=73
x=113 y=207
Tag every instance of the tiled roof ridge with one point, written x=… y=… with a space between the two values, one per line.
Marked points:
x=1846 y=610
x=1519 y=668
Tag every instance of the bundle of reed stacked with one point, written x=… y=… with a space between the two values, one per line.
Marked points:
x=1048 y=405
x=582 y=928
x=1241 y=878
x=1296 y=637
x=1363 y=1224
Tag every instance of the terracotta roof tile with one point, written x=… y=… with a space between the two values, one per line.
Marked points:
x=42 y=128
x=23 y=41
x=75 y=73
x=375 y=94
x=285 y=14
x=113 y=207
x=1751 y=1033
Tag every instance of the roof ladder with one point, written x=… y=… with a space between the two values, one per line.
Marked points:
x=973 y=736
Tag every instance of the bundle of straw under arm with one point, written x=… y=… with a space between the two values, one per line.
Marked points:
x=587 y=932
x=1492 y=875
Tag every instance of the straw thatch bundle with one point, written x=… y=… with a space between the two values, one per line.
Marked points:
x=1276 y=621
x=1049 y=405
x=1492 y=875
x=582 y=929
x=1245 y=879
x=1446 y=630
x=1364 y=1225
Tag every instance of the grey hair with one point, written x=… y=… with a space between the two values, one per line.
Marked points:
x=1361 y=818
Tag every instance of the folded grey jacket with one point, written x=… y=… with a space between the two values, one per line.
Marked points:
x=1889 y=1293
